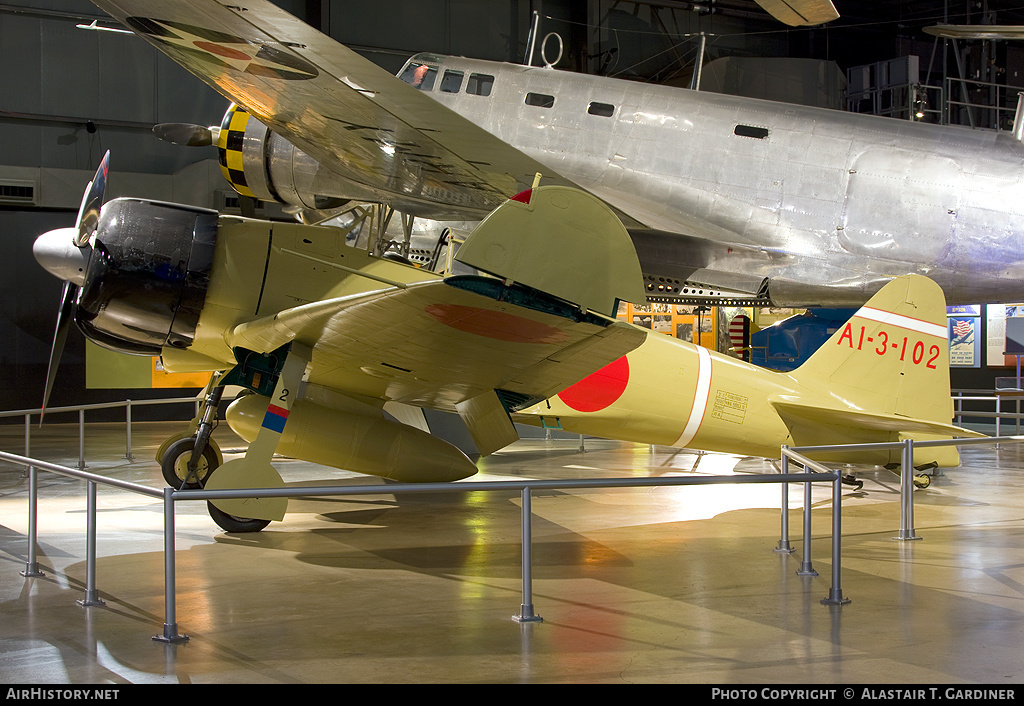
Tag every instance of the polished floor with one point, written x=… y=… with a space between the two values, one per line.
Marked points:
x=648 y=585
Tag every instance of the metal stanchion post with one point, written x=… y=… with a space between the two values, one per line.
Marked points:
x=28 y=442
x=170 y=633
x=31 y=564
x=784 y=546
x=128 y=430
x=835 y=593
x=805 y=566
x=907 y=492
x=526 y=614
x=91 y=598
x=81 y=439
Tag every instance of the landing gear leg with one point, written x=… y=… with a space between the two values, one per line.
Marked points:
x=189 y=461
x=254 y=470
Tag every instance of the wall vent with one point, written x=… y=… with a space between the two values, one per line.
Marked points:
x=17 y=191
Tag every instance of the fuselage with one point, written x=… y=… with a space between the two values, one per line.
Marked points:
x=833 y=199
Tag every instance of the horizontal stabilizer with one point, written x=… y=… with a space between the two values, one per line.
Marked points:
x=808 y=417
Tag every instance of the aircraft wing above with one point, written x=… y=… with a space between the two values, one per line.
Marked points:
x=800 y=12
x=436 y=344
x=976 y=31
x=386 y=137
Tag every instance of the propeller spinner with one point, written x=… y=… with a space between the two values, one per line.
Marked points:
x=65 y=253
x=186 y=134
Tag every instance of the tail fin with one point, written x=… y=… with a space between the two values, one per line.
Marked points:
x=885 y=373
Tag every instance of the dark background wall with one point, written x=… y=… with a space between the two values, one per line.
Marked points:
x=67 y=95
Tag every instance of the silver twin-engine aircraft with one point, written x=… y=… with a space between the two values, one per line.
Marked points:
x=726 y=198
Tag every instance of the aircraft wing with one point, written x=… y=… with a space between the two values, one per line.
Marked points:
x=356 y=119
x=800 y=12
x=976 y=31
x=437 y=344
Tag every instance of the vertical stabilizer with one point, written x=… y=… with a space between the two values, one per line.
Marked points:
x=891 y=358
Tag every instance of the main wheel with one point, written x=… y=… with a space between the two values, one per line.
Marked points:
x=230 y=523
x=174 y=465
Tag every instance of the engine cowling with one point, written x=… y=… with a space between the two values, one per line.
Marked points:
x=261 y=164
x=147 y=275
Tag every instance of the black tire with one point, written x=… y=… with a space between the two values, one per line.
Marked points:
x=175 y=464
x=230 y=523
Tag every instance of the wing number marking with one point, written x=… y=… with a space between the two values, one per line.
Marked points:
x=916 y=351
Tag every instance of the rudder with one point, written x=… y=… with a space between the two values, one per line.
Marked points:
x=891 y=357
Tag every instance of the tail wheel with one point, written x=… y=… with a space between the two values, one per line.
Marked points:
x=174 y=465
x=230 y=523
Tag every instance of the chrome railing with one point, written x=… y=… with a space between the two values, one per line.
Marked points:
x=526 y=612
x=818 y=473
x=28 y=414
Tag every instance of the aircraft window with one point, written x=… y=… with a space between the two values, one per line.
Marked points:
x=751 y=131
x=605 y=110
x=479 y=84
x=421 y=76
x=451 y=82
x=540 y=100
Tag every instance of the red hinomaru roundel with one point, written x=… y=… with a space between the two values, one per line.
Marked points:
x=599 y=390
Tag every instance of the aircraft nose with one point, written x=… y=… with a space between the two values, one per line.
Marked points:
x=56 y=251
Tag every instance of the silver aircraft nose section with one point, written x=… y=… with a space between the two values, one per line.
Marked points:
x=57 y=253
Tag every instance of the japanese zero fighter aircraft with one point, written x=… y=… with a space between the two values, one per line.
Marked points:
x=327 y=335
x=330 y=336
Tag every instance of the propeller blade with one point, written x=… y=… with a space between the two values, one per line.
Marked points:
x=60 y=336
x=185 y=134
x=92 y=202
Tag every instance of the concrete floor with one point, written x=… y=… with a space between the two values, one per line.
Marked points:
x=650 y=585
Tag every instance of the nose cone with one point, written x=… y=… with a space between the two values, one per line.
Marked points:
x=57 y=253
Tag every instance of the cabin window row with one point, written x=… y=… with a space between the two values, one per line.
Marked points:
x=543 y=100
x=424 y=77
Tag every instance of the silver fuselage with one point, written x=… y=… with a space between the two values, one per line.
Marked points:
x=737 y=197
x=838 y=202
